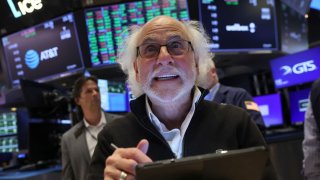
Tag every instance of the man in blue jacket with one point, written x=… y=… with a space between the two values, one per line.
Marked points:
x=228 y=95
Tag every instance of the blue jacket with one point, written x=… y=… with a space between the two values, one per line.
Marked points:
x=237 y=97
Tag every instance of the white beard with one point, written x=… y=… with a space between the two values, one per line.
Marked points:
x=163 y=96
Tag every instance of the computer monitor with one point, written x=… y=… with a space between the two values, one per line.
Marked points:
x=45 y=100
x=294 y=30
x=315 y=4
x=44 y=52
x=114 y=96
x=9 y=140
x=296 y=69
x=44 y=140
x=271 y=109
x=240 y=26
x=105 y=25
x=299 y=101
x=8 y=132
x=300 y=6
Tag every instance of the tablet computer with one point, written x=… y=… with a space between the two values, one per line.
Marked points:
x=246 y=163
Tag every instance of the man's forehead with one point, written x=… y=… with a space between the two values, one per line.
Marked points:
x=163 y=29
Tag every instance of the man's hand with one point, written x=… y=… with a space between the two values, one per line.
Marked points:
x=125 y=160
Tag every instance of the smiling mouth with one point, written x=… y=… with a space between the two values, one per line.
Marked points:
x=166 y=77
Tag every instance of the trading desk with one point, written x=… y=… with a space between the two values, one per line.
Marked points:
x=51 y=173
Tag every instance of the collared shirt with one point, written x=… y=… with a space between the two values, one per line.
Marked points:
x=212 y=92
x=93 y=131
x=175 y=136
x=311 y=146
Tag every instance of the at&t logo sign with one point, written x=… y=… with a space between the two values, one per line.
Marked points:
x=32 y=58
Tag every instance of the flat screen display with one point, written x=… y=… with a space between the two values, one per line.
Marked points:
x=8 y=132
x=315 y=4
x=299 y=101
x=240 y=25
x=294 y=30
x=271 y=109
x=114 y=96
x=44 y=52
x=300 y=6
x=105 y=24
x=296 y=68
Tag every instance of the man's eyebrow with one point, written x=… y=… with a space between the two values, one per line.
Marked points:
x=149 y=40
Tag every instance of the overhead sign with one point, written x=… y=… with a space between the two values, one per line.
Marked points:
x=24 y=7
x=297 y=68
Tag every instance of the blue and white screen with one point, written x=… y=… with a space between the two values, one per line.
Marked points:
x=296 y=69
x=270 y=108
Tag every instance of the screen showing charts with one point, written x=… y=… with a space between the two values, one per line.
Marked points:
x=47 y=51
x=106 y=24
x=8 y=132
x=296 y=68
x=299 y=101
x=271 y=109
x=114 y=96
x=240 y=25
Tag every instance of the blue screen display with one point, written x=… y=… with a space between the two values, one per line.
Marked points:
x=315 y=4
x=114 y=96
x=299 y=101
x=296 y=69
x=271 y=109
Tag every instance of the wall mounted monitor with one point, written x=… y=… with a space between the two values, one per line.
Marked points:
x=300 y=6
x=294 y=30
x=8 y=132
x=271 y=109
x=240 y=25
x=44 y=52
x=315 y=4
x=299 y=101
x=296 y=68
x=114 y=96
x=106 y=23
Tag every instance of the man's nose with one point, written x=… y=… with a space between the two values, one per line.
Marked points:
x=164 y=56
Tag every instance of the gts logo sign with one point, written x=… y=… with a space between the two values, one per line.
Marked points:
x=25 y=6
x=299 y=68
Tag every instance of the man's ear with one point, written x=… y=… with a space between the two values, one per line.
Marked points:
x=135 y=66
x=76 y=100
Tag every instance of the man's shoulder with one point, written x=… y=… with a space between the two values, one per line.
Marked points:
x=74 y=129
x=112 y=116
x=233 y=89
x=218 y=108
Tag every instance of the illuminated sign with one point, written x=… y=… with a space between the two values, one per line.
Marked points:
x=24 y=7
x=296 y=68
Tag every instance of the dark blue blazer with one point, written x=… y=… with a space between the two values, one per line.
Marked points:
x=237 y=97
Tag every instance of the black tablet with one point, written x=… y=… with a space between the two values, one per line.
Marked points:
x=241 y=164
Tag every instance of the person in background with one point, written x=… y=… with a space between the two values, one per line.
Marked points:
x=78 y=143
x=169 y=118
x=228 y=95
x=311 y=141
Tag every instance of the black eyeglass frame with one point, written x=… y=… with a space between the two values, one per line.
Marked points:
x=189 y=44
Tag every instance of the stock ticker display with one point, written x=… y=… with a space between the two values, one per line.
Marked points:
x=240 y=25
x=43 y=52
x=105 y=24
x=8 y=132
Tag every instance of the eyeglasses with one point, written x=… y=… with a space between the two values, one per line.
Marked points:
x=174 y=48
